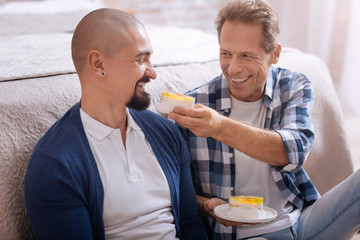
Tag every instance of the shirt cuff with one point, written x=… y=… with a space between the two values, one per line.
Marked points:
x=294 y=149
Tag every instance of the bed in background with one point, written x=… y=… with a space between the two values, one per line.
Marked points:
x=38 y=84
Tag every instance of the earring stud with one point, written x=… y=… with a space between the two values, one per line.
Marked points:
x=103 y=74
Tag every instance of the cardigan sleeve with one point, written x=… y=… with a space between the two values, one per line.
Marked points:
x=191 y=223
x=56 y=207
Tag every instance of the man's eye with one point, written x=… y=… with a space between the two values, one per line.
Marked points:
x=225 y=54
x=141 y=60
x=247 y=57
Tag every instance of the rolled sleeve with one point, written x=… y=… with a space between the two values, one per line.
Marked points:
x=295 y=126
x=297 y=146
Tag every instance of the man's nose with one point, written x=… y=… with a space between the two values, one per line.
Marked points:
x=236 y=65
x=150 y=71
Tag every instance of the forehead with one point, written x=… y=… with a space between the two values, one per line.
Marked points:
x=136 y=43
x=238 y=34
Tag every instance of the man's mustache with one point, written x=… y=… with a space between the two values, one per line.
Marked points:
x=144 y=79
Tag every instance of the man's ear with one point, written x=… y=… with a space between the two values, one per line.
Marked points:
x=276 y=54
x=95 y=61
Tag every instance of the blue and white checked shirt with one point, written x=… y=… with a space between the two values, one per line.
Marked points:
x=288 y=98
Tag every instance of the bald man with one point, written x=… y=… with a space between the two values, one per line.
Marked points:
x=108 y=169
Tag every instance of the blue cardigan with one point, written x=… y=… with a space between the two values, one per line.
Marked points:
x=63 y=189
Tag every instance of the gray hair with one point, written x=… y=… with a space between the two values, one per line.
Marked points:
x=252 y=12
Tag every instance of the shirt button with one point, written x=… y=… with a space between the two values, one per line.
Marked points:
x=226 y=110
x=116 y=134
x=231 y=188
x=231 y=155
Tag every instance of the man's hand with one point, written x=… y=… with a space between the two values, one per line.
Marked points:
x=207 y=207
x=202 y=121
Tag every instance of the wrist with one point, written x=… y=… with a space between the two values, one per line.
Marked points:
x=203 y=206
x=206 y=210
x=220 y=128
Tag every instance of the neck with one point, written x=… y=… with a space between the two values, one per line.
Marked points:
x=110 y=114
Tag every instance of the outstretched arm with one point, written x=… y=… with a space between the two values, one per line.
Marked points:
x=264 y=145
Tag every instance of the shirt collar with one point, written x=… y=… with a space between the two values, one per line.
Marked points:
x=225 y=99
x=99 y=130
x=132 y=124
x=270 y=82
x=270 y=86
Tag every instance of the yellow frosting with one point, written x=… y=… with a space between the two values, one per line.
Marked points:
x=247 y=199
x=176 y=96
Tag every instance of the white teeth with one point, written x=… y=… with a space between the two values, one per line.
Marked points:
x=239 y=80
x=141 y=84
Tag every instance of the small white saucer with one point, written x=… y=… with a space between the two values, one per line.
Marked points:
x=222 y=212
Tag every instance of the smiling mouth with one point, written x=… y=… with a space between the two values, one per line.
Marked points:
x=143 y=81
x=240 y=80
x=141 y=84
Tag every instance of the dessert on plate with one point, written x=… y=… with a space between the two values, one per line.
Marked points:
x=170 y=100
x=249 y=207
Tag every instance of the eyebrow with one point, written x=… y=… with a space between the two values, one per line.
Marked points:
x=242 y=52
x=142 y=53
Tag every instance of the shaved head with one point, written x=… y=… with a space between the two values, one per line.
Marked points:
x=105 y=30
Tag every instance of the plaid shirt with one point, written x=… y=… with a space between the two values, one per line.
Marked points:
x=288 y=98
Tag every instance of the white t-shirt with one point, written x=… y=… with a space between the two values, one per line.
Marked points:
x=137 y=203
x=253 y=177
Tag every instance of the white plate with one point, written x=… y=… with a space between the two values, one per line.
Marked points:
x=222 y=212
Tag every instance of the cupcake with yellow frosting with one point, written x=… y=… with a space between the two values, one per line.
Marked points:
x=249 y=207
x=170 y=100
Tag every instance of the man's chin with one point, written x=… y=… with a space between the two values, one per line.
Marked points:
x=139 y=103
